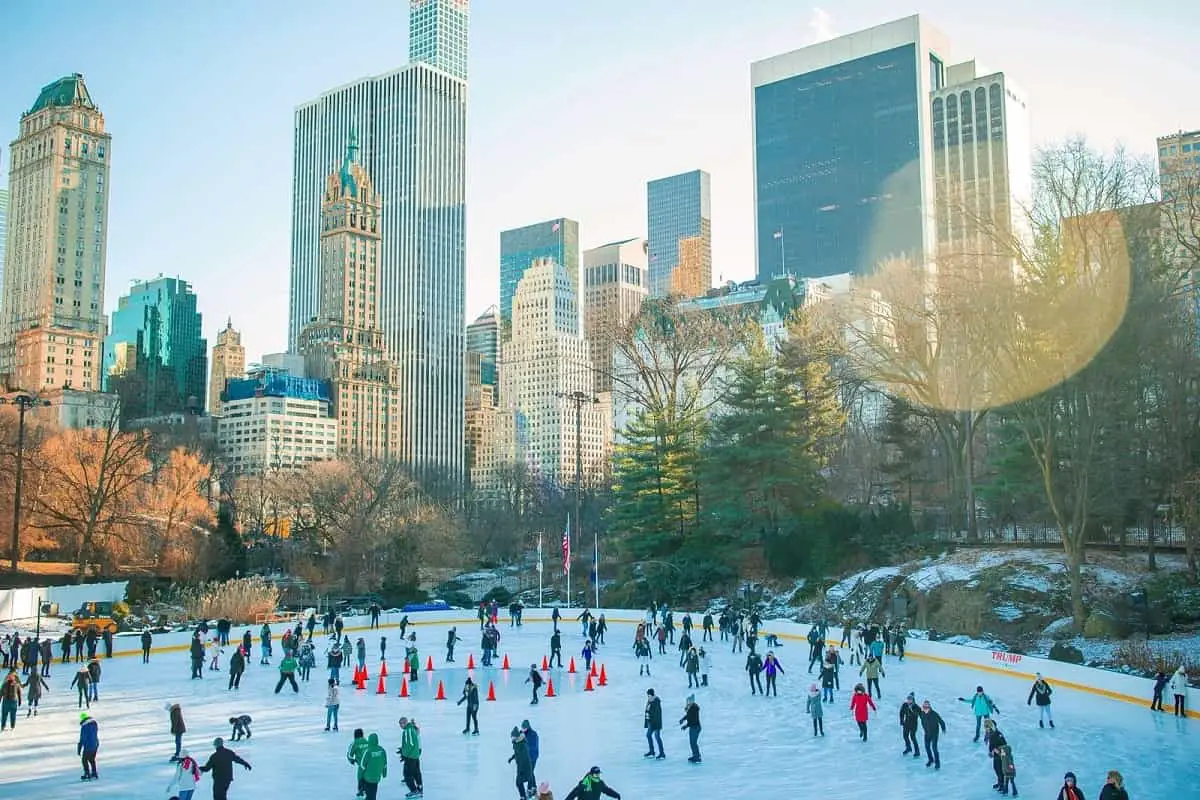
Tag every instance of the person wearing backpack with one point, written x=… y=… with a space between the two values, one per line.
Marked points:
x=187 y=775
x=983 y=707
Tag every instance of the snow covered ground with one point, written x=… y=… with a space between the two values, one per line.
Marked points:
x=752 y=746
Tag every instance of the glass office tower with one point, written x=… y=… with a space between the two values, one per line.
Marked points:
x=555 y=239
x=679 y=224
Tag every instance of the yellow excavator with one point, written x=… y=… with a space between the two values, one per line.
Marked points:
x=98 y=613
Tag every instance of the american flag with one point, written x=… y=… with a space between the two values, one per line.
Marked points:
x=567 y=547
x=554 y=228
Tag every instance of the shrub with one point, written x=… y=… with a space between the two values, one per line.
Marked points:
x=1144 y=657
x=1104 y=626
x=241 y=599
x=1066 y=653
x=961 y=610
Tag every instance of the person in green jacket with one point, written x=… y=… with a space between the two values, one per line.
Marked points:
x=410 y=755
x=373 y=763
x=287 y=673
x=414 y=663
x=354 y=755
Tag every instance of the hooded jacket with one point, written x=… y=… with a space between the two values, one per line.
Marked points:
x=187 y=775
x=355 y=752
x=652 y=719
x=859 y=703
x=1178 y=683
x=872 y=668
x=520 y=755
x=220 y=764
x=410 y=741
x=591 y=787
x=1042 y=691
x=89 y=736
x=373 y=762
x=814 y=705
x=177 y=726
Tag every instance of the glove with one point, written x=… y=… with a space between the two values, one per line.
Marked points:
x=248 y=767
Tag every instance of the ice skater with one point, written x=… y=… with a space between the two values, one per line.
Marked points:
x=220 y=764
x=1179 y=688
x=178 y=728
x=652 y=722
x=526 y=785
x=910 y=718
x=534 y=678
x=187 y=775
x=88 y=746
x=816 y=710
x=1041 y=691
x=860 y=702
x=933 y=726
x=983 y=707
x=470 y=696
x=452 y=638
x=241 y=727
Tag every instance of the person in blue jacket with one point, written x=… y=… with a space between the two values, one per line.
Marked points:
x=88 y=745
x=983 y=707
x=531 y=739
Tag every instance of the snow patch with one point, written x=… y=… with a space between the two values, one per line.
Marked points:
x=1008 y=612
x=841 y=590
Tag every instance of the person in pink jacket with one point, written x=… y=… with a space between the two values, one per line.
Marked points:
x=860 y=701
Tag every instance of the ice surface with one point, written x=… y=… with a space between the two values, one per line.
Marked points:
x=753 y=747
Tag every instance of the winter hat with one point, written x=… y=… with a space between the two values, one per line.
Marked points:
x=911 y=696
x=167 y=706
x=515 y=732
x=83 y=717
x=691 y=698
x=524 y=724
x=813 y=689
x=1070 y=776
x=218 y=742
x=544 y=788
x=1037 y=675
x=978 y=689
x=594 y=771
x=650 y=692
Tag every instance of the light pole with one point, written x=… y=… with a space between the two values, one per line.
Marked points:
x=23 y=401
x=578 y=399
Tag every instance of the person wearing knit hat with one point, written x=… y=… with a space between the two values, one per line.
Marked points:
x=531 y=739
x=910 y=720
x=543 y=791
x=1069 y=790
x=526 y=783
x=1041 y=691
x=591 y=786
x=816 y=710
x=88 y=746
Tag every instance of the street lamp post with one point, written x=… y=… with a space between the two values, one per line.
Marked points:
x=23 y=401
x=578 y=399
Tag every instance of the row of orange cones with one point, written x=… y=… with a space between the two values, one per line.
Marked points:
x=360 y=682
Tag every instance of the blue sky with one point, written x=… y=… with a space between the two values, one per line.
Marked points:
x=574 y=105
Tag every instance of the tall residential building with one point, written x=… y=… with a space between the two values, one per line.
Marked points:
x=843 y=172
x=52 y=315
x=483 y=340
x=1179 y=163
x=275 y=421
x=540 y=365
x=411 y=127
x=345 y=344
x=614 y=278
x=555 y=239
x=228 y=361
x=437 y=35
x=679 y=227
x=982 y=159
x=3 y=228
x=156 y=357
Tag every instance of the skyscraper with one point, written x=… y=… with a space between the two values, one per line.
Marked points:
x=483 y=339
x=679 y=224
x=614 y=277
x=1178 y=164
x=411 y=129
x=842 y=151
x=3 y=229
x=156 y=358
x=52 y=316
x=555 y=239
x=228 y=362
x=345 y=345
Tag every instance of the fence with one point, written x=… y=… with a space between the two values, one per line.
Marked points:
x=23 y=603
x=1040 y=535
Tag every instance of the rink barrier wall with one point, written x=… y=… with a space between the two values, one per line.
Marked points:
x=1061 y=675
x=23 y=603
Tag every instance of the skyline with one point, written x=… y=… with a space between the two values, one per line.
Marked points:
x=220 y=99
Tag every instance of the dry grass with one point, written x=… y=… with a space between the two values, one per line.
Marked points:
x=961 y=610
x=241 y=600
x=1143 y=656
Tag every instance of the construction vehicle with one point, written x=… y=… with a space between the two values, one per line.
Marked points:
x=98 y=613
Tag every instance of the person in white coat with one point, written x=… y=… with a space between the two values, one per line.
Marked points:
x=1179 y=688
x=705 y=666
x=187 y=775
x=214 y=655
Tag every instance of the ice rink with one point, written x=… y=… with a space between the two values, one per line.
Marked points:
x=752 y=746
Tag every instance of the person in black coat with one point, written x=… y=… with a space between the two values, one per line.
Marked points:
x=147 y=639
x=910 y=718
x=690 y=722
x=470 y=696
x=933 y=726
x=237 y=666
x=652 y=721
x=591 y=787
x=197 y=653
x=452 y=638
x=754 y=665
x=247 y=640
x=220 y=764
x=556 y=647
x=526 y=785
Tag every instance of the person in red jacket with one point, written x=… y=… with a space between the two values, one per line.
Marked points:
x=1069 y=790
x=860 y=701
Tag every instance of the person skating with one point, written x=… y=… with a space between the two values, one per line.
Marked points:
x=82 y=681
x=414 y=663
x=692 y=665
x=690 y=722
x=354 y=755
x=685 y=646
x=10 y=698
x=587 y=655
x=470 y=696
x=591 y=787
x=1160 y=683
x=705 y=666
x=241 y=726
x=338 y=625
x=828 y=681
x=213 y=650
x=36 y=685
x=872 y=669
x=177 y=727
x=652 y=721
x=1070 y=789
x=264 y=638
x=533 y=740
x=64 y=645
x=583 y=619
x=93 y=668
x=816 y=709
x=48 y=656
x=196 y=650
x=237 y=666
x=933 y=726
x=556 y=647
x=909 y=720
x=187 y=775
x=287 y=674
x=555 y=616
x=220 y=764
x=147 y=641
x=993 y=740
x=1179 y=688
x=535 y=678
x=333 y=661
x=661 y=635
x=754 y=665
x=88 y=746
x=707 y=625
x=1114 y=787
x=772 y=668
x=1042 y=691
x=816 y=647
x=333 y=701
x=1002 y=761
x=306 y=660
x=373 y=763
x=860 y=702
x=451 y=639
x=526 y=785
x=643 y=653
x=982 y=706
x=360 y=648
x=410 y=756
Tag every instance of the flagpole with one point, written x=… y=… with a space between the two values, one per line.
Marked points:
x=782 y=254
x=540 y=567
x=567 y=556
x=596 y=565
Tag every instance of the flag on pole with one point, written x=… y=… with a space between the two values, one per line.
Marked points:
x=539 y=560
x=566 y=547
x=554 y=228
x=778 y=234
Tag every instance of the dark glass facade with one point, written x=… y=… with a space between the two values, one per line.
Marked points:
x=678 y=208
x=556 y=239
x=837 y=167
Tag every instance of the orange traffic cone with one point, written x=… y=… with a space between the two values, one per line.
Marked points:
x=587 y=687
x=382 y=688
x=404 y=687
x=429 y=665
x=545 y=664
x=505 y=664
x=361 y=681
x=571 y=666
x=550 y=688
x=383 y=669
x=491 y=691
x=603 y=676
x=470 y=661
x=441 y=695
x=593 y=672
